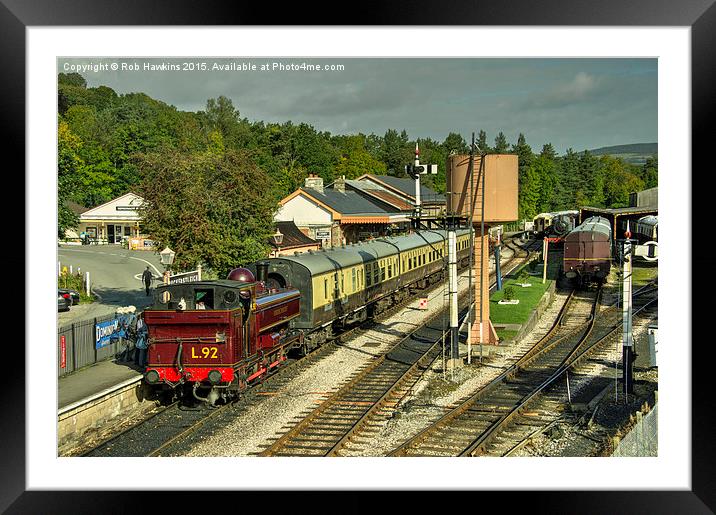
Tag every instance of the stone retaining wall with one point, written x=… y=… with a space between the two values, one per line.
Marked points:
x=107 y=408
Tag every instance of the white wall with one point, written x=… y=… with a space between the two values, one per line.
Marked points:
x=303 y=212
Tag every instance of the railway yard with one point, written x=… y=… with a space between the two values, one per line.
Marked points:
x=384 y=388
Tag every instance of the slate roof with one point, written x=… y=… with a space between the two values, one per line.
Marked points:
x=407 y=187
x=292 y=236
x=349 y=203
x=374 y=190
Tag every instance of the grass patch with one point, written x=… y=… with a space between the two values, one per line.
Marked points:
x=642 y=275
x=505 y=334
x=75 y=282
x=528 y=297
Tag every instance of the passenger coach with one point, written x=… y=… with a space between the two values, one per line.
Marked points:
x=345 y=285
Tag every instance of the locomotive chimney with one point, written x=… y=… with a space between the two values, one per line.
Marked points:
x=262 y=271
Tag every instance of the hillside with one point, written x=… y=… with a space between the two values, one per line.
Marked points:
x=636 y=153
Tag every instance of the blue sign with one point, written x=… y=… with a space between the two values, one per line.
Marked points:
x=109 y=330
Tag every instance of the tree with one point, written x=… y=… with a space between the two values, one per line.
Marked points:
x=482 y=143
x=72 y=79
x=395 y=152
x=69 y=163
x=649 y=173
x=355 y=160
x=211 y=208
x=501 y=146
x=222 y=116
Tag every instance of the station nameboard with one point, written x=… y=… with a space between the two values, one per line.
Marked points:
x=186 y=277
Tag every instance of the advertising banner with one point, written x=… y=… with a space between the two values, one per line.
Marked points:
x=109 y=330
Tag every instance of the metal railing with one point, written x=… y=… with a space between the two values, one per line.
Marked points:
x=77 y=345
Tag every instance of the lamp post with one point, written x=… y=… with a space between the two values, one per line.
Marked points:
x=166 y=256
x=277 y=239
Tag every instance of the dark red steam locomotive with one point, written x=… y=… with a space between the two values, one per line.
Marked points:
x=214 y=338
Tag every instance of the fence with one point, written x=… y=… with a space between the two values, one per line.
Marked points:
x=77 y=345
x=642 y=440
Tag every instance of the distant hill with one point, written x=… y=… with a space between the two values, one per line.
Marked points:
x=636 y=153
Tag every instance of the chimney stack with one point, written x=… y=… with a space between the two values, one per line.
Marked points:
x=340 y=184
x=314 y=182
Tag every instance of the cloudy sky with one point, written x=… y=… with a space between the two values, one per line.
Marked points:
x=577 y=103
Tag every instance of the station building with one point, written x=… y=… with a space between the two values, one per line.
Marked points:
x=113 y=221
x=344 y=211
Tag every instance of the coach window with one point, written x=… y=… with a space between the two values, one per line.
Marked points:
x=382 y=273
x=376 y=273
x=390 y=270
x=325 y=288
x=353 y=278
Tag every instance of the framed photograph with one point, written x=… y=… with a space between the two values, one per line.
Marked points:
x=182 y=55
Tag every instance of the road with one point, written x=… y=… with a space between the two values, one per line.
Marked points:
x=115 y=275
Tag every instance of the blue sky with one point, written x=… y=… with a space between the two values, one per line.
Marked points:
x=577 y=103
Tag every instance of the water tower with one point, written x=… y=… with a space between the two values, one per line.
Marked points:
x=482 y=195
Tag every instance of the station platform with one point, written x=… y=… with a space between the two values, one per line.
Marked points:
x=93 y=380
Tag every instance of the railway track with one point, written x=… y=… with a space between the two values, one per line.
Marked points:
x=503 y=413
x=165 y=429
x=588 y=377
x=370 y=395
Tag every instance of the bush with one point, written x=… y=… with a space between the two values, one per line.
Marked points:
x=74 y=282
x=508 y=293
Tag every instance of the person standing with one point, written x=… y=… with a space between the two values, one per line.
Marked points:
x=141 y=342
x=147 y=279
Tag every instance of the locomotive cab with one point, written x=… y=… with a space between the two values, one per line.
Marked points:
x=216 y=337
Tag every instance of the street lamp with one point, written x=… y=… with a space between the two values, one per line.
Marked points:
x=166 y=256
x=277 y=239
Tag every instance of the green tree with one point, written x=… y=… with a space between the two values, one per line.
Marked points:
x=501 y=145
x=72 y=79
x=355 y=160
x=649 y=173
x=69 y=163
x=395 y=152
x=482 y=143
x=213 y=209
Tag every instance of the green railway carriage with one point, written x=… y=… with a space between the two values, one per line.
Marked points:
x=344 y=285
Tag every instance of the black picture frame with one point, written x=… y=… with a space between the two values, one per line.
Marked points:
x=700 y=15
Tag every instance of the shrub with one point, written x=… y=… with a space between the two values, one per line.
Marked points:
x=508 y=293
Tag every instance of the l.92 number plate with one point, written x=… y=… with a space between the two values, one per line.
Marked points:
x=204 y=352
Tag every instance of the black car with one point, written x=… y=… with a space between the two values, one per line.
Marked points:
x=74 y=295
x=64 y=301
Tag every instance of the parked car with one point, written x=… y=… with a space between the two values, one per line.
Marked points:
x=64 y=301
x=74 y=295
